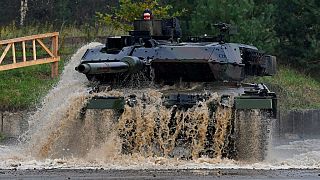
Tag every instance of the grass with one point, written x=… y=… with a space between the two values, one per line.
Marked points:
x=87 y=31
x=20 y=87
x=294 y=89
x=23 y=88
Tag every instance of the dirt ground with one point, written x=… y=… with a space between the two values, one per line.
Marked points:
x=221 y=174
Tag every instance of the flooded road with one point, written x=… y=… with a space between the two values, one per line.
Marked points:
x=59 y=145
x=297 y=154
x=220 y=174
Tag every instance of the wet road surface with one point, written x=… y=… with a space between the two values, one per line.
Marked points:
x=308 y=174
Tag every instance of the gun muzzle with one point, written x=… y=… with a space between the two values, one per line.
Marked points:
x=128 y=64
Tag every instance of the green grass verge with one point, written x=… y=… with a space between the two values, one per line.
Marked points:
x=87 y=31
x=21 y=87
x=294 y=89
x=24 y=87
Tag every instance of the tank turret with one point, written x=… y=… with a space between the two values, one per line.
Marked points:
x=156 y=44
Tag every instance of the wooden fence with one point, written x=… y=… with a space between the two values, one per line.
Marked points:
x=18 y=59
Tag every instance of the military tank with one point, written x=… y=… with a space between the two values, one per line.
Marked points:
x=202 y=74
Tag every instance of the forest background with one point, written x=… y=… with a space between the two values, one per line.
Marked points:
x=287 y=28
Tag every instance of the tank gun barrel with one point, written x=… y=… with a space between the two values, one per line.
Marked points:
x=100 y=68
x=128 y=64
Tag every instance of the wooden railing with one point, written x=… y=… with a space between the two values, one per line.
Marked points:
x=20 y=58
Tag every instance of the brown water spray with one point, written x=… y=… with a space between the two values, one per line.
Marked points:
x=223 y=123
x=152 y=130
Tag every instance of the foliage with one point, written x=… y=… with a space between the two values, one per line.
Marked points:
x=129 y=10
x=255 y=23
x=68 y=30
x=298 y=27
x=54 y=11
x=287 y=28
x=187 y=7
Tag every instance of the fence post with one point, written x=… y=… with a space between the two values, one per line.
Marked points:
x=55 y=65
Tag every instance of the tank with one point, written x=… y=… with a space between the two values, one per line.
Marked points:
x=201 y=74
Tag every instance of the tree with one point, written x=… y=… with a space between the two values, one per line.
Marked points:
x=298 y=27
x=255 y=23
x=129 y=10
x=9 y=12
x=23 y=11
x=186 y=9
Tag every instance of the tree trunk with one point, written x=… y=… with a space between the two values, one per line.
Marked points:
x=23 y=11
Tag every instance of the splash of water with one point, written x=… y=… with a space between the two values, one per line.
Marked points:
x=61 y=103
x=154 y=130
x=148 y=129
x=252 y=127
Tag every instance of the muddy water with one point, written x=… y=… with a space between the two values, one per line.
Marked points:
x=148 y=129
x=60 y=137
x=151 y=129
